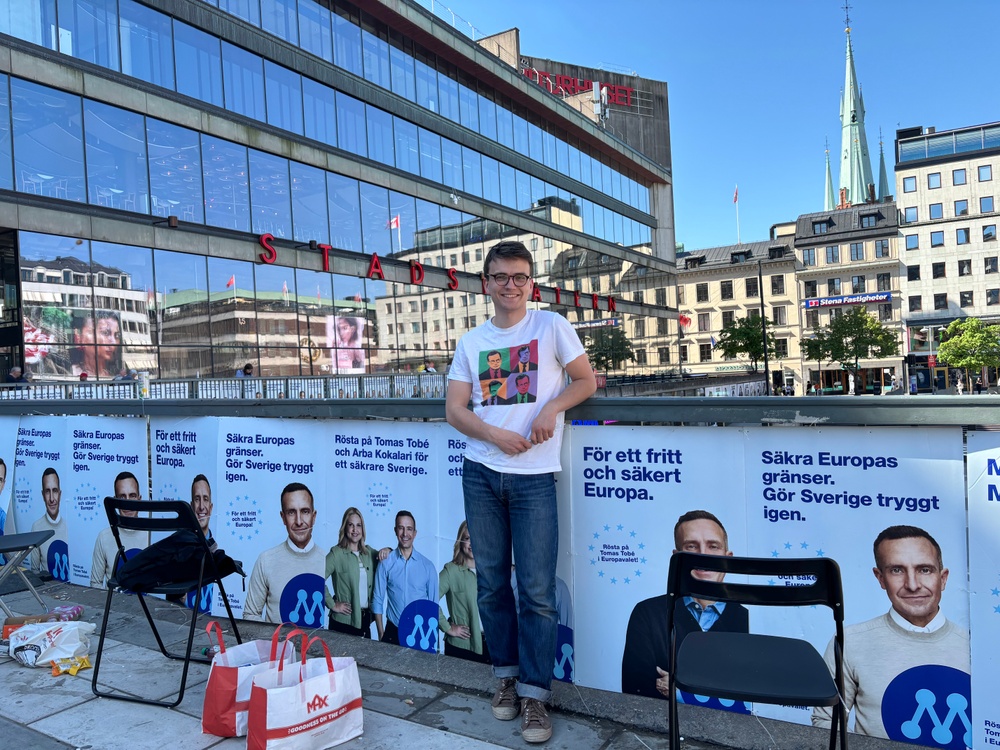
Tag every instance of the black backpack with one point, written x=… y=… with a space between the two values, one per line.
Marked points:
x=174 y=559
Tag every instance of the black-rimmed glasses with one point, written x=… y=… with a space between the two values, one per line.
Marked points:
x=501 y=279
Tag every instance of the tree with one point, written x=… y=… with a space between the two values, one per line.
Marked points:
x=857 y=335
x=971 y=345
x=608 y=347
x=745 y=337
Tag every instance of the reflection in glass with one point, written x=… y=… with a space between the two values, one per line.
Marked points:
x=122 y=277
x=351 y=131
x=37 y=27
x=315 y=29
x=278 y=17
x=487 y=117
x=199 y=64
x=508 y=186
x=309 y=204
x=284 y=97
x=402 y=221
x=270 y=197
x=468 y=106
x=351 y=331
x=346 y=40
x=116 y=157
x=345 y=212
x=407 y=148
x=403 y=77
x=227 y=194
x=472 y=172
x=232 y=313
x=451 y=163
x=428 y=236
x=427 y=87
x=375 y=229
x=181 y=298
x=147 y=44
x=48 y=141
x=430 y=155
x=320 y=112
x=89 y=31
x=375 y=58
x=380 y=135
x=313 y=311
x=174 y=171
x=6 y=165
x=248 y=10
x=448 y=91
x=243 y=82
x=277 y=320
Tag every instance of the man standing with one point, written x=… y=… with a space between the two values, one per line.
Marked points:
x=647 y=645
x=404 y=576
x=280 y=566
x=51 y=520
x=913 y=633
x=105 y=548
x=510 y=500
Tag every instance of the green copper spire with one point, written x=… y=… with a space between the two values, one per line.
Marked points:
x=855 y=164
x=884 y=193
x=831 y=202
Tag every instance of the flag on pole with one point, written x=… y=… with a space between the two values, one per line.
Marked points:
x=393 y=223
x=683 y=320
x=231 y=282
x=319 y=299
x=713 y=342
x=284 y=291
x=736 y=194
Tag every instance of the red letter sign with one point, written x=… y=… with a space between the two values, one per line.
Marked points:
x=270 y=254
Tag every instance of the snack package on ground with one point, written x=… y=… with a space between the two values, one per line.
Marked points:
x=39 y=644
x=73 y=665
x=56 y=614
x=314 y=705
x=227 y=695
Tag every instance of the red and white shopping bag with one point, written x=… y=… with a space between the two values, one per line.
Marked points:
x=314 y=705
x=227 y=695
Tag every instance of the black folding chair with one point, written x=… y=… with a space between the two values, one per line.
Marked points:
x=163 y=516
x=749 y=666
x=18 y=547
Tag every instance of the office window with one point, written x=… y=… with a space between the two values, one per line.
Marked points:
x=857 y=251
x=913 y=273
x=936 y=211
x=664 y=355
x=680 y=294
x=661 y=296
x=915 y=304
x=781 y=347
x=912 y=242
x=962 y=236
x=961 y=207
x=993 y=297
x=985 y=173
x=833 y=254
x=881 y=248
x=989 y=232
x=753 y=313
x=662 y=326
x=639 y=329
x=940 y=301
x=704 y=352
x=683 y=353
x=753 y=290
x=726 y=289
x=640 y=356
x=909 y=184
x=832 y=287
x=885 y=311
x=937 y=270
x=701 y=292
x=820 y=227
x=990 y=265
x=937 y=239
x=778 y=315
x=728 y=318
x=883 y=282
x=809 y=257
x=910 y=214
x=812 y=318
x=809 y=289
x=965 y=299
x=704 y=323
x=777 y=285
x=986 y=204
x=857 y=284
x=965 y=267
x=933 y=180
x=958 y=177
x=868 y=221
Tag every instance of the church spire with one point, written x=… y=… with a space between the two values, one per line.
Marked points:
x=830 y=202
x=884 y=193
x=855 y=163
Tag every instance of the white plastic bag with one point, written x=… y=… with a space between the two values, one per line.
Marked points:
x=39 y=644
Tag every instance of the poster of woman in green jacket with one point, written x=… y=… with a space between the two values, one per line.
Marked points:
x=457 y=584
x=350 y=569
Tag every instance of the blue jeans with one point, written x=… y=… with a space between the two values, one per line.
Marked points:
x=519 y=511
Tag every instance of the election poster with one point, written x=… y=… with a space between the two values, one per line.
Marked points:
x=8 y=445
x=984 y=584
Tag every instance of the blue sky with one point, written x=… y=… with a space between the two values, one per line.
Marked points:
x=754 y=87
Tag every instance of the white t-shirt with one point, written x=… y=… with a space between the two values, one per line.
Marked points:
x=514 y=372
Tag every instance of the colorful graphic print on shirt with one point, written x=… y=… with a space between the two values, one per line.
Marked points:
x=509 y=376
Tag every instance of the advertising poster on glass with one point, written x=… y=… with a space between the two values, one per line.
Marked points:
x=345 y=337
x=63 y=343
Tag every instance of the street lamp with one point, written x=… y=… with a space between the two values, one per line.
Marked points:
x=931 y=359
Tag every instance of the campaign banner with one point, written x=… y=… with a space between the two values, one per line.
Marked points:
x=984 y=583
x=8 y=446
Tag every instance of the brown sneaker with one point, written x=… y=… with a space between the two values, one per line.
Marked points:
x=505 y=705
x=536 y=726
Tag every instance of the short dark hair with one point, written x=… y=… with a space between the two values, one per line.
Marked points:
x=296 y=487
x=905 y=532
x=524 y=348
x=126 y=475
x=521 y=377
x=200 y=478
x=408 y=515
x=698 y=515
x=49 y=471
x=509 y=250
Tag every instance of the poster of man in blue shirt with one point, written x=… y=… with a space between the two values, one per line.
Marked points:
x=404 y=577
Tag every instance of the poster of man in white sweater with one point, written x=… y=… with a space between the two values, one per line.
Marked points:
x=897 y=664
x=53 y=556
x=286 y=584
x=105 y=549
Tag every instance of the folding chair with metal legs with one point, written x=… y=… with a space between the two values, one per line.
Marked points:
x=18 y=547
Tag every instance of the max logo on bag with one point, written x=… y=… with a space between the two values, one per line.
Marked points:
x=318 y=702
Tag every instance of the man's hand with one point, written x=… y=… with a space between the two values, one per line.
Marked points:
x=663 y=683
x=384 y=553
x=544 y=426
x=459 y=631
x=509 y=442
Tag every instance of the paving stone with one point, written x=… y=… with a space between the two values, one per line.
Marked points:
x=388 y=693
x=138 y=671
x=32 y=693
x=15 y=735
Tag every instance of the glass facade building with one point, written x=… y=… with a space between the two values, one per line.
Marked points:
x=338 y=134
